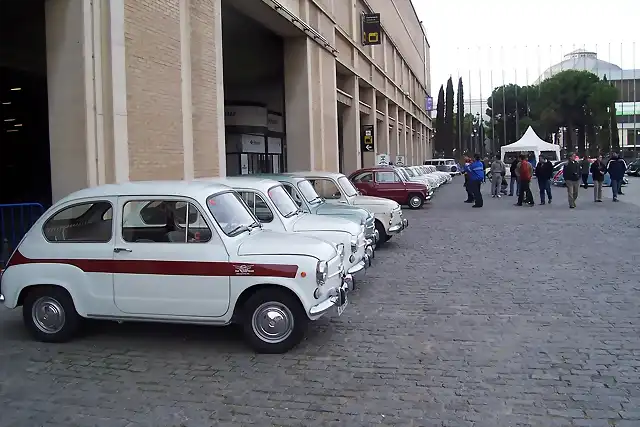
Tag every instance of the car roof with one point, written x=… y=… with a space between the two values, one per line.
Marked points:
x=334 y=175
x=149 y=188
x=246 y=181
x=279 y=176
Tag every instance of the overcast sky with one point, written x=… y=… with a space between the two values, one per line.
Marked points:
x=523 y=38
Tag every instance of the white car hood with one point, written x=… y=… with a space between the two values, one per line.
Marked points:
x=310 y=222
x=265 y=242
x=374 y=201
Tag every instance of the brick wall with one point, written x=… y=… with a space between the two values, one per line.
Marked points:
x=152 y=40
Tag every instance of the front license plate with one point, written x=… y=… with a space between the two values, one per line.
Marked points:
x=343 y=306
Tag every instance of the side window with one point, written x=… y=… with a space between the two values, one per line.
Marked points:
x=386 y=177
x=87 y=222
x=258 y=206
x=363 y=177
x=163 y=221
x=294 y=194
x=326 y=188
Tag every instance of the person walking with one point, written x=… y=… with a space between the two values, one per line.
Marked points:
x=598 y=170
x=476 y=177
x=544 y=171
x=514 y=178
x=571 y=175
x=524 y=172
x=616 y=168
x=585 y=167
x=498 y=170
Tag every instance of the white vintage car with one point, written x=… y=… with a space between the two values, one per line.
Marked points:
x=274 y=207
x=171 y=251
x=336 y=188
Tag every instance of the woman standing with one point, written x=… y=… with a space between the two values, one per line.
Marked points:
x=470 y=198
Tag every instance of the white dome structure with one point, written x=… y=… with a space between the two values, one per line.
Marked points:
x=582 y=60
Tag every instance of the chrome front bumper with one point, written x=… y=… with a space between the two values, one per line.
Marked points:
x=337 y=301
x=359 y=269
x=399 y=227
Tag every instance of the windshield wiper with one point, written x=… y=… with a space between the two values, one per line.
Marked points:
x=255 y=225
x=239 y=229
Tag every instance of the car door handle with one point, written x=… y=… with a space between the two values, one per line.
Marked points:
x=118 y=250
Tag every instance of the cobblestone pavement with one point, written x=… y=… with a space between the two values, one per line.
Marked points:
x=501 y=316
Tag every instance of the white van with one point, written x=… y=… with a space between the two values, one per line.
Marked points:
x=444 y=165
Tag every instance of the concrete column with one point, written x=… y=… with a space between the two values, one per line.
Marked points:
x=298 y=104
x=383 y=140
x=369 y=159
x=329 y=139
x=394 y=135
x=70 y=145
x=351 y=129
x=206 y=90
x=402 y=149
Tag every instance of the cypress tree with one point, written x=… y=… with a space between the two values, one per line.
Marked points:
x=458 y=143
x=438 y=139
x=448 y=119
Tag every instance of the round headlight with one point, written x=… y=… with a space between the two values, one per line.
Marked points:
x=321 y=272
x=354 y=246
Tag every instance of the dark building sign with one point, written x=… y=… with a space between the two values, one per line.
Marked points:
x=371 y=29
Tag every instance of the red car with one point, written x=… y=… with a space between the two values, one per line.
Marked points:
x=387 y=183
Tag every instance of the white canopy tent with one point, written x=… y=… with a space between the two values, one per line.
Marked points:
x=530 y=141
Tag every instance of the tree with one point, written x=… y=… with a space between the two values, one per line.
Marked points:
x=577 y=101
x=448 y=119
x=439 y=131
x=510 y=109
x=458 y=138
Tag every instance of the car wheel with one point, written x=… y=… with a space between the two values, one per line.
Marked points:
x=274 y=321
x=50 y=315
x=416 y=201
x=382 y=232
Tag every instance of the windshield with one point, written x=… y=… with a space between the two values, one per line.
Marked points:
x=409 y=172
x=308 y=192
x=347 y=187
x=403 y=174
x=283 y=201
x=230 y=213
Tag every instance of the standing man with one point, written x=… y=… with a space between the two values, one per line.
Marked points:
x=544 y=171
x=616 y=169
x=525 y=173
x=476 y=177
x=597 y=171
x=514 y=178
x=571 y=175
x=498 y=170
x=467 y=185
x=585 y=167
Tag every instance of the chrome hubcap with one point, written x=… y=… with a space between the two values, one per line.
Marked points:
x=415 y=201
x=48 y=315
x=272 y=322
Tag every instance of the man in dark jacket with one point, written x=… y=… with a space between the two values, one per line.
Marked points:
x=585 y=166
x=544 y=171
x=616 y=169
x=571 y=173
x=598 y=170
x=514 y=178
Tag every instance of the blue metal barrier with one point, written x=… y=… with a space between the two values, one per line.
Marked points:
x=15 y=220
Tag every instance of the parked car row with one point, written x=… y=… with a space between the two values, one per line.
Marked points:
x=269 y=252
x=406 y=185
x=634 y=168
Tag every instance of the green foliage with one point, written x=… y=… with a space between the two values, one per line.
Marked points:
x=448 y=119
x=459 y=129
x=439 y=130
x=576 y=100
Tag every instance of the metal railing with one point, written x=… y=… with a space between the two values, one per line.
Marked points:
x=15 y=220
